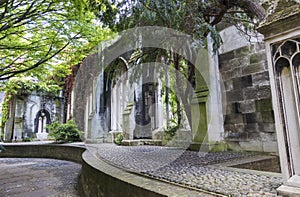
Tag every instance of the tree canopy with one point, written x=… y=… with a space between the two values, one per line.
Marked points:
x=197 y=18
x=42 y=36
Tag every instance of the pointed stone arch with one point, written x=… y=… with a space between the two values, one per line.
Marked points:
x=39 y=117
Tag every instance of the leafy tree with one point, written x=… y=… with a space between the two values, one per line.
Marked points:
x=197 y=18
x=37 y=34
x=40 y=40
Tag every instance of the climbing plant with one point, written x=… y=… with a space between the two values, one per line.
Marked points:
x=118 y=139
x=24 y=86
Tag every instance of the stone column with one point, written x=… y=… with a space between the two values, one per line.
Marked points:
x=159 y=107
x=215 y=105
x=115 y=99
x=281 y=29
x=127 y=122
x=18 y=121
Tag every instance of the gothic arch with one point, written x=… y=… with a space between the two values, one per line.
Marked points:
x=40 y=114
x=286 y=61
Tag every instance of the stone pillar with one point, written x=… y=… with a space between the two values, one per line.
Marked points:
x=199 y=104
x=281 y=29
x=9 y=126
x=159 y=107
x=215 y=106
x=207 y=116
x=114 y=108
x=128 y=126
x=18 y=121
x=199 y=119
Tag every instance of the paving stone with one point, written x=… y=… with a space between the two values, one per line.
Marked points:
x=23 y=177
x=194 y=169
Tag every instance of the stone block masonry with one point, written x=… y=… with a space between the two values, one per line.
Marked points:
x=249 y=116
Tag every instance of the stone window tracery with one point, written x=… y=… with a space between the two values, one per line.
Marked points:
x=286 y=61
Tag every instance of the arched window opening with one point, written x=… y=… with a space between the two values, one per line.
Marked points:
x=41 y=121
x=286 y=63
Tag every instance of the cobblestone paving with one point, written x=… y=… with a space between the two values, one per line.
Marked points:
x=21 y=177
x=192 y=169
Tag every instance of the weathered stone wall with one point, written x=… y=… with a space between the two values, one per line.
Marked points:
x=249 y=119
x=84 y=81
x=22 y=121
x=270 y=164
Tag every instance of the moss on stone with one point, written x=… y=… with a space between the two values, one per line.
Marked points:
x=263 y=105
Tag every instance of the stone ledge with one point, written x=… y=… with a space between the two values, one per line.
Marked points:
x=208 y=147
x=139 y=142
x=288 y=191
x=53 y=151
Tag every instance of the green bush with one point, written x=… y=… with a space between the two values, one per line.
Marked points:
x=170 y=133
x=67 y=132
x=118 y=139
x=27 y=139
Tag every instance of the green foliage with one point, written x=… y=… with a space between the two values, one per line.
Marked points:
x=118 y=139
x=27 y=85
x=5 y=109
x=67 y=132
x=37 y=34
x=170 y=132
x=24 y=86
x=40 y=40
x=27 y=139
x=197 y=18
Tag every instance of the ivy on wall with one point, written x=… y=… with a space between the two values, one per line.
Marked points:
x=24 y=86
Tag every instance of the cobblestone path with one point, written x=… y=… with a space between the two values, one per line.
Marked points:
x=22 y=177
x=192 y=169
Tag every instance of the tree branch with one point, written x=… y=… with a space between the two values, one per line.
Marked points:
x=10 y=74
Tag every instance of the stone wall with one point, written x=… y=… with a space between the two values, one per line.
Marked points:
x=270 y=164
x=249 y=118
x=24 y=115
x=83 y=88
x=53 y=151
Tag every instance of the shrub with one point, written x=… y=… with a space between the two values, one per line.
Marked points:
x=118 y=139
x=67 y=132
x=170 y=133
x=27 y=139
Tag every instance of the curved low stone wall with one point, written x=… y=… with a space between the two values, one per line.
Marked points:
x=53 y=151
x=99 y=178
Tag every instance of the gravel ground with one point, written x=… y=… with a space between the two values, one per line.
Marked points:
x=21 y=177
x=192 y=169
